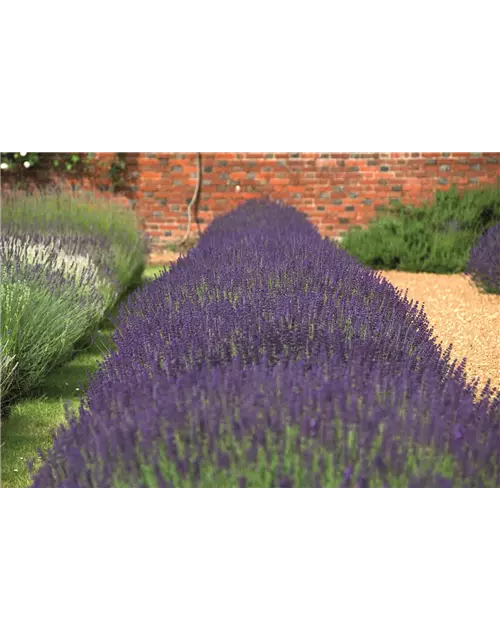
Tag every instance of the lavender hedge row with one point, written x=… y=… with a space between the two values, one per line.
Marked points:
x=269 y=357
x=484 y=260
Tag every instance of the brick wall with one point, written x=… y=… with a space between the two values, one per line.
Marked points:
x=336 y=190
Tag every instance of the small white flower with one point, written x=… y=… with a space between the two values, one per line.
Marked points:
x=15 y=469
x=4 y=165
x=26 y=164
x=78 y=388
x=22 y=154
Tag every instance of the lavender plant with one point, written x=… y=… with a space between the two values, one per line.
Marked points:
x=47 y=305
x=66 y=260
x=8 y=366
x=107 y=230
x=72 y=253
x=330 y=425
x=269 y=357
x=484 y=261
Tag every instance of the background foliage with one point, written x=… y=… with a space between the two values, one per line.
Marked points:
x=20 y=164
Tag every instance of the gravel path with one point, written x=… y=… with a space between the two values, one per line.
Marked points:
x=166 y=257
x=460 y=315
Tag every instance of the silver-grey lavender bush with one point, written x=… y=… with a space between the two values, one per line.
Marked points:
x=47 y=305
x=66 y=260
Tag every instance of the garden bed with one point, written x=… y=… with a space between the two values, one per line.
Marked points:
x=459 y=313
x=254 y=365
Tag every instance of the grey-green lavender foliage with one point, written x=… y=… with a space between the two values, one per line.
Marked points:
x=65 y=261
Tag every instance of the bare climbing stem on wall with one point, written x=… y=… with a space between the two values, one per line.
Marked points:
x=195 y=196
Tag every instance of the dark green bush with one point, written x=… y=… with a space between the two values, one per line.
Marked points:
x=435 y=237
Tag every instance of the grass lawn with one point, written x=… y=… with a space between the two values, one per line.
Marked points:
x=32 y=422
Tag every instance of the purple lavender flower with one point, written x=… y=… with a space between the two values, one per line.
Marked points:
x=484 y=260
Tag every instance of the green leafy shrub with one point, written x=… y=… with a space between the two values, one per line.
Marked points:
x=118 y=172
x=20 y=166
x=433 y=238
x=16 y=162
